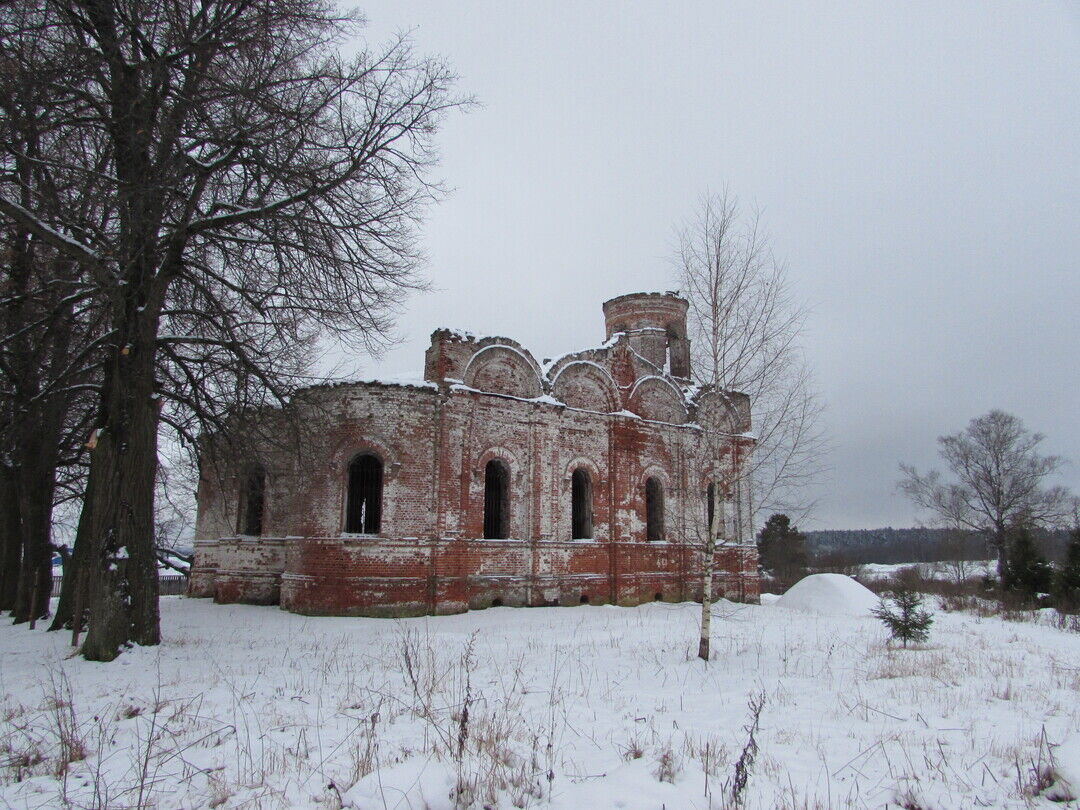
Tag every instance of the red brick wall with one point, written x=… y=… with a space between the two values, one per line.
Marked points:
x=380 y=577
x=434 y=440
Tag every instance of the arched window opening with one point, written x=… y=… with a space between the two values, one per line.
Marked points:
x=363 y=514
x=496 y=501
x=580 y=504
x=678 y=356
x=654 y=510
x=252 y=499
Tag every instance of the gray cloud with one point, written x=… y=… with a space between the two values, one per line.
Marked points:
x=917 y=167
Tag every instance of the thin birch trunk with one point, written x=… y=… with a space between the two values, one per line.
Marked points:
x=707 y=585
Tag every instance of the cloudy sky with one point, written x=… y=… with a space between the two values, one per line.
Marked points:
x=916 y=164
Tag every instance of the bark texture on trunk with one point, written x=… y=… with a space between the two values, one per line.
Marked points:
x=1001 y=542
x=36 y=452
x=121 y=572
x=706 y=592
x=10 y=539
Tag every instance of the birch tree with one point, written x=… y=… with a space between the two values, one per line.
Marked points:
x=745 y=325
x=1000 y=481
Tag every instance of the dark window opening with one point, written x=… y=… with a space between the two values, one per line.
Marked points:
x=496 y=602
x=678 y=355
x=363 y=514
x=710 y=510
x=658 y=597
x=654 y=510
x=581 y=504
x=496 y=501
x=584 y=599
x=252 y=499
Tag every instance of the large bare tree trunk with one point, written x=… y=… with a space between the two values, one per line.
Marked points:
x=36 y=580
x=36 y=481
x=10 y=539
x=122 y=571
x=73 y=598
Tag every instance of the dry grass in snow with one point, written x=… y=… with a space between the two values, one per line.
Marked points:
x=590 y=707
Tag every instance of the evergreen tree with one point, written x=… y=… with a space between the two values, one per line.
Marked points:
x=1026 y=573
x=908 y=622
x=782 y=550
x=1067 y=583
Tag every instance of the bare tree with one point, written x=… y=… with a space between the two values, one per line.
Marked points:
x=1000 y=481
x=50 y=327
x=745 y=325
x=246 y=165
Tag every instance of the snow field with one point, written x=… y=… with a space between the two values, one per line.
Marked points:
x=585 y=707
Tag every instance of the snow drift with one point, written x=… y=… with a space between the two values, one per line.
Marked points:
x=1067 y=786
x=829 y=594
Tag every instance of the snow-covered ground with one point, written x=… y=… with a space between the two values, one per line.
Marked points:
x=585 y=707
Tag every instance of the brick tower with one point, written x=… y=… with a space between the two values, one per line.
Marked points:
x=655 y=324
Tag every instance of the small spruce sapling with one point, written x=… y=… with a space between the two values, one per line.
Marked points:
x=907 y=622
x=1027 y=573
x=1067 y=582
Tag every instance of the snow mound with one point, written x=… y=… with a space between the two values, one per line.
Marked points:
x=830 y=594
x=1067 y=762
x=769 y=598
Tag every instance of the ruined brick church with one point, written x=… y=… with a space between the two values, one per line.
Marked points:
x=496 y=480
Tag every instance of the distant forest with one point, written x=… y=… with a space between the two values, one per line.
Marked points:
x=861 y=546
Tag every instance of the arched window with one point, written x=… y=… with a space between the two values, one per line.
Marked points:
x=654 y=510
x=580 y=504
x=363 y=511
x=496 y=500
x=249 y=515
x=678 y=356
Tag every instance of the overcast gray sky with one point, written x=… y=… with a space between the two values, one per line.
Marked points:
x=916 y=163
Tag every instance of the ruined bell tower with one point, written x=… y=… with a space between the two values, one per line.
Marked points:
x=655 y=324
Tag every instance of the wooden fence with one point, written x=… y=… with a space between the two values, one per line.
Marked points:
x=168 y=585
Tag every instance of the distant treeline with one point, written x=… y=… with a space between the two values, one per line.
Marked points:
x=861 y=546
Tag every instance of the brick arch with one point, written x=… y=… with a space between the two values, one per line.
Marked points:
x=718 y=475
x=504 y=369
x=597 y=474
x=657 y=399
x=716 y=412
x=655 y=471
x=587 y=386
x=501 y=453
x=374 y=446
